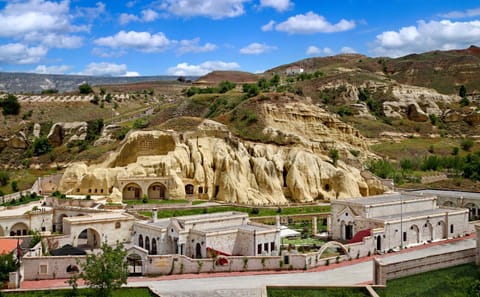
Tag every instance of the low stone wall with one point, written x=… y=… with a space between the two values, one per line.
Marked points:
x=36 y=268
x=387 y=271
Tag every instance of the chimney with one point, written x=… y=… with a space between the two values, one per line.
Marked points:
x=155 y=215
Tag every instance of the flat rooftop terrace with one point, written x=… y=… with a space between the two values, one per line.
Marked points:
x=387 y=198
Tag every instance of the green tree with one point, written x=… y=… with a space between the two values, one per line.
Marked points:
x=225 y=86
x=106 y=271
x=467 y=144
x=85 y=89
x=334 y=155
x=10 y=105
x=252 y=90
x=275 y=80
x=14 y=186
x=4 y=177
x=41 y=146
x=140 y=124
x=7 y=265
x=462 y=92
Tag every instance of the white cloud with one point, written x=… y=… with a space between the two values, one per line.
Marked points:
x=126 y=18
x=458 y=14
x=108 y=69
x=186 y=69
x=148 y=15
x=193 y=46
x=105 y=53
x=53 y=40
x=17 y=53
x=268 y=26
x=215 y=9
x=142 y=41
x=256 y=49
x=312 y=23
x=44 y=69
x=427 y=36
x=314 y=51
x=280 y=5
x=347 y=50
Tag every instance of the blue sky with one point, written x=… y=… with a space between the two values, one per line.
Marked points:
x=194 y=37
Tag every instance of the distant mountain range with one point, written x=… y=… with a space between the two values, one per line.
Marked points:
x=17 y=83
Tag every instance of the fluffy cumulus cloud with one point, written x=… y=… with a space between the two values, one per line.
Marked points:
x=313 y=51
x=427 y=36
x=194 y=46
x=147 y=15
x=256 y=49
x=17 y=53
x=459 y=14
x=311 y=22
x=268 y=27
x=44 y=69
x=108 y=69
x=141 y=41
x=215 y=9
x=186 y=69
x=280 y=5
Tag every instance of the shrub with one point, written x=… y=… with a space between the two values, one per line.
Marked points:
x=252 y=90
x=334 y=155
x=255 y=211
x=121 y=133
x=85 y=89
x=14 y=186
x=467 y=144
x=433 y=119
x=10 y=105
x=345 y=111
x=41 y=146
x=140 y=124
x=225 y=86
x=464 y=101
x=455 y=151
x=4 y=178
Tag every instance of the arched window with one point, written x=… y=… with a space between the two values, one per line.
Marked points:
x=189 y=189
x=140 y=240
x=147 y=243
x=117 y=225
x=154 y=247
x=72 y=269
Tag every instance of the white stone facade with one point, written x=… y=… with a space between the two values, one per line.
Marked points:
x=397 y=220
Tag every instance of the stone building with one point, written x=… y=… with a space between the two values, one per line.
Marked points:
x=227 y=233
x=397 y=220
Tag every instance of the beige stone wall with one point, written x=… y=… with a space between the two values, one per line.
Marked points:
x=36 y=268
x=384 y=272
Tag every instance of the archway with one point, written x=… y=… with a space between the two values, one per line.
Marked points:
x=189 y=189
x=58 y=227
x=147 y=243
x=19 y=229
x=134 y=264
x=140 y=241
x=73 y=269
x=379 y=243
x=154 y=247
x=89 y=238
x=440 y=230
x=331 y=244
x=157 y=191
x=427 y=232
x=198 y=251
x=413 y=236
x=472 y=211
x=132 y=191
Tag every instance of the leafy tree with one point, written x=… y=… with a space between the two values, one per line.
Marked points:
x=7 y=265
x=433 y=119
x=263 y=84
x=4 y=177
x=10 y=105
x=140 y=124
x=252 y=90
x=455 y=151
x=94 y=128
x=334 y=155
x=225 y=86
x=108 y=98
x=85 y=88
x=106 y=271
x=275 y=80
x=462 y=92
x=14 y=186
x=102 y=91
x=41 y=146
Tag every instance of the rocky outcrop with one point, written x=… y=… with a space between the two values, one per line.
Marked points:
x=108 y=135
x=225 y=168
x=17 y=141
x=61 y=133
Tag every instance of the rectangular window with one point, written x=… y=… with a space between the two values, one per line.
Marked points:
x=259 y=249
x=43 y=269
x=272 y=246
x=265 y=246
x=451 y=228
x=404 y=236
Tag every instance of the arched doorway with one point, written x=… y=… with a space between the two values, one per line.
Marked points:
x=147 y=243
x=132 y=191
x=154 y=247
x=198 y=251
x=19 y=229
x=157 y=191
x=73 y=269
x=89 y=238
x=134 y=264
x=427 y=232
x=440 y=230
x=140 y=241
x=339 y=248
x=413 y=236
x=189 y=189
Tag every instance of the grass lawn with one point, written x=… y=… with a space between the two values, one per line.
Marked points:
x=156 y=201
x=449 y=282
x=327 y=292
x=123 y=292
x=167 y=213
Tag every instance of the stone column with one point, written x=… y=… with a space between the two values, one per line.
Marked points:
x=314 y=226
x=155 y=214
